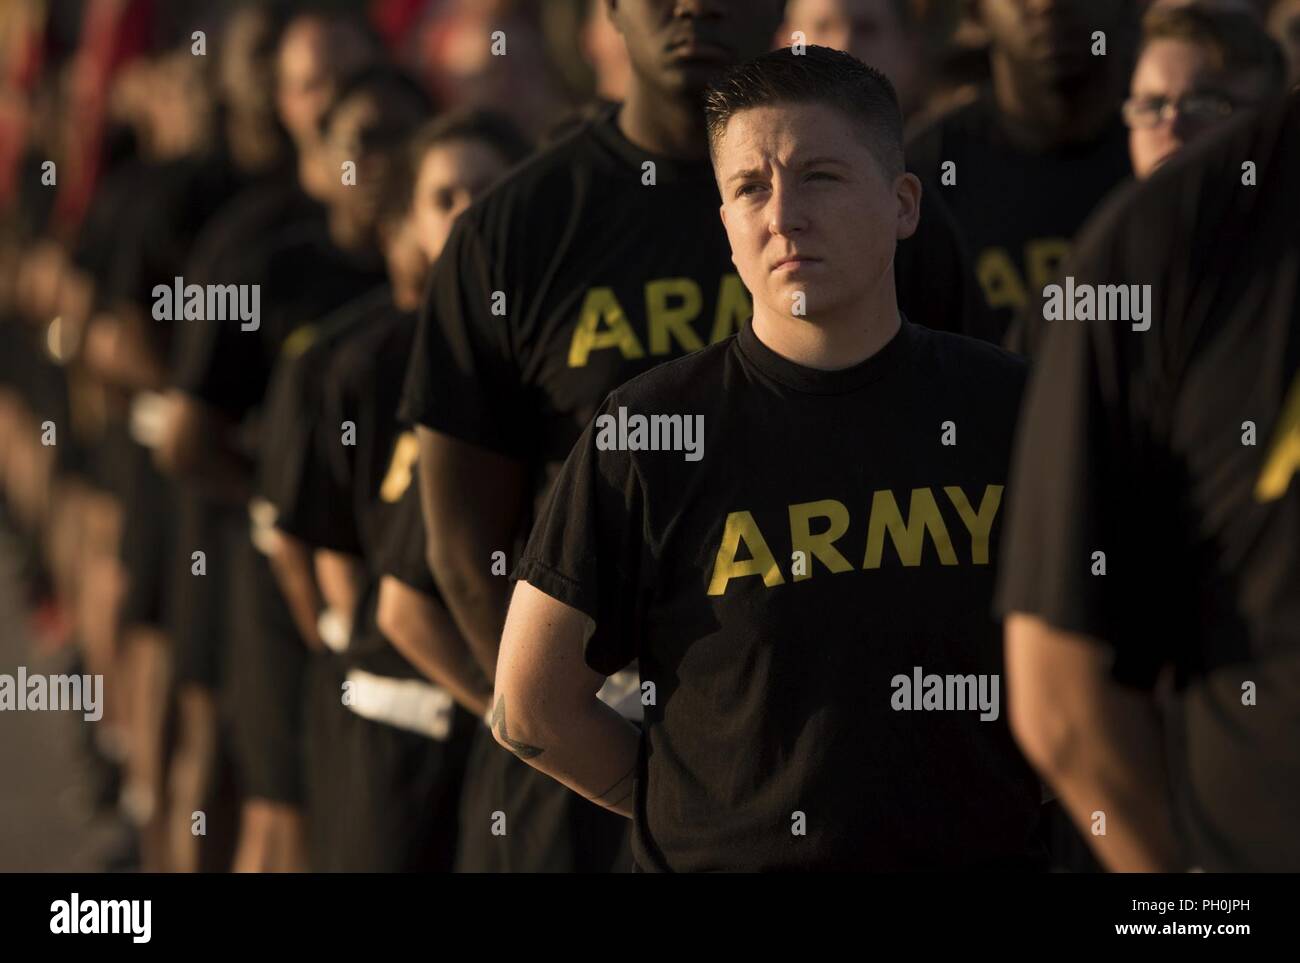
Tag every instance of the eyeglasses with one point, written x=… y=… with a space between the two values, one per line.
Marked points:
x=1152 y=111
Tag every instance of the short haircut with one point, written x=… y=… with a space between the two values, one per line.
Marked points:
x=818 y=75
x=488 y=127
x=384 y=82
x=936 y=19
x=1235 y=41
x=342 y=26
x=276 y=15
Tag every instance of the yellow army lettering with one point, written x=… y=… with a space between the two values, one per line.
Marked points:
x=1284 y=454
x=907 y=534
x=671 y=305
x=398 y=477
x=1002 y=284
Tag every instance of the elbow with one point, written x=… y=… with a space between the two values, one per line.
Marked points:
x=524 y=725
x=285 y=558
x=173 y=457
x=1047 y=731
x=290 y=557
x=179 y=451
x=516 y=730
x=1052 y=680
x=388 y=621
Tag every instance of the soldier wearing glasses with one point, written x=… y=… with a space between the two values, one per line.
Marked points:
x=1196 y=66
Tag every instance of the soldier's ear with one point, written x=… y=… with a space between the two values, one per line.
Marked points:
x=908 y=191
x=611 y=9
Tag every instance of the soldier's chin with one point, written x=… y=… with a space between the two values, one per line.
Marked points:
x=1163 y=159
x=691 y=78
x=1062 y=68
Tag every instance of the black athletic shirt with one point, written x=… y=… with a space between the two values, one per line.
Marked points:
x=363 y=483
x=1174 y=451
x=1017 y=209
x=297 y=440
x=600 y=277
x=240 y=227
x=774 y=679
x=154 y=236
x=362 y=386
x=111 y=206
x=402 y=551
x=264 y=208
x=140 y=228
x=302 y=277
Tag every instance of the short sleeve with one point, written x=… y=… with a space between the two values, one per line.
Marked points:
x=402 y=544
x=296 y=476
x=587 y=547
x=462 y=379
x=217 y=361
x=1090 y=526
x=220 y=365
x=147 y=252
x=315 y=507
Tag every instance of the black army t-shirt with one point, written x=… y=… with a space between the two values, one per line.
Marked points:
x=824 y=544
x=402 y=547
x=1170 y=454
x=222 y=253
x=300 y=277
x=1017 y=209
x=362 y=387
x=154 y=240
x=298 y=440
x=347 y=498
x=563 y=281
x=245 y=221
x=112 y=205
x=574 y=274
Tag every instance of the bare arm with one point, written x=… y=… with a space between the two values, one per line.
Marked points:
x=116 y=351
x=473 y=500
x=1099 y=745
x=423 y=631
x=545 y=709
x=340 y=577
x=196 y=447
x=291 y=561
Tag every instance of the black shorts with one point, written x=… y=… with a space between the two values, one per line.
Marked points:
x=379 y=799
x=201 y=609
x=548 y=828
x=148 y=542
x=41 y=386
x=263 y=686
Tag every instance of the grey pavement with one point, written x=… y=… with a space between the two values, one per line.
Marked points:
x=46 y=817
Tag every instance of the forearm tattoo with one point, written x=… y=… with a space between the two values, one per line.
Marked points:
x=498 y=722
